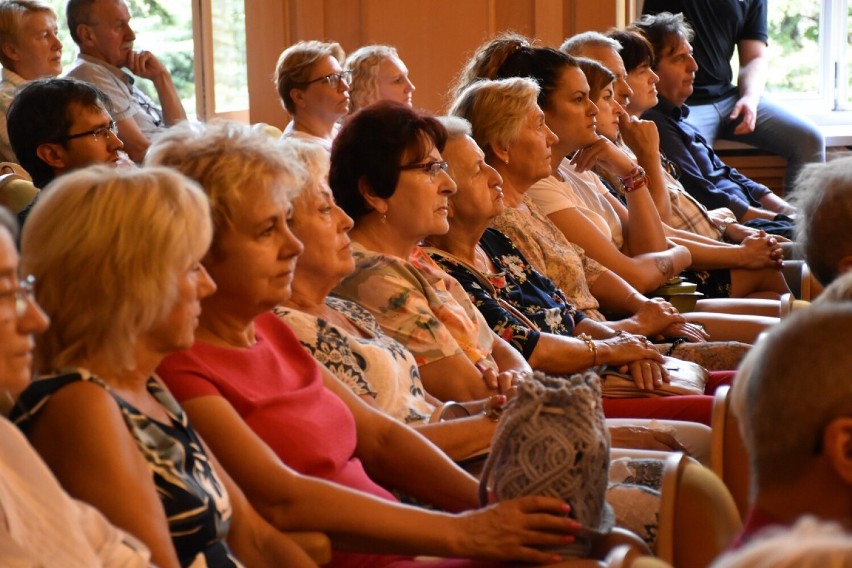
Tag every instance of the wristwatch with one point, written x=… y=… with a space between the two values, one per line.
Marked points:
x=723 y=224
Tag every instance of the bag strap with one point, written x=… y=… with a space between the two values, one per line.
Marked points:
x=486 y=285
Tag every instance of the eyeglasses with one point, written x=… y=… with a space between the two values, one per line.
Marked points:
x=96 y=133
x=431 y=168
x=333 y=79
x=22 y=295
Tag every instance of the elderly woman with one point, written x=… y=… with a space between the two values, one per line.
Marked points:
x=346 y=339
x=29 y=50
x=98 y=394
x=378 y=74
x=314 y=90
x=395 y=207
x=43 y=525
x=265 y=405
x=539 y=237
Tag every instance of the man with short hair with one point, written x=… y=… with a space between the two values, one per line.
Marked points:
x=793 y=399
x=29 y=49
x=101 y=28
x=703 y=174
x=740 y=112
x=59 y=125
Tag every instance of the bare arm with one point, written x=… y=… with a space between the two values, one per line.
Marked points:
x=135 y=142
x=145 y=64
x=645 y=272
x=646 y=145
x=396 y=456
x=750 y=82
x=455 y=378
x=105 y=466
x=255 y=541
x=357 y=521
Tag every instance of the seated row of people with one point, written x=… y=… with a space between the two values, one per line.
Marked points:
x=99 y=394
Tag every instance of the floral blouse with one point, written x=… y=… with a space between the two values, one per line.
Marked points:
x=536 y=305
x=370 y=364
x=551 y=254
x=419 y=305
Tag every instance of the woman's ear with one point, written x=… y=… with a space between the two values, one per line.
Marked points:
x=502 y=154
x=837 y=440
x=375 y=202
x=298 y=97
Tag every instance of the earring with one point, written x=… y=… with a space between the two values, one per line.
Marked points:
x=506 y=161
x=384 y=216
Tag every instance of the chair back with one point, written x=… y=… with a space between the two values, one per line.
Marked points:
x=728 y=455
x=698 y=516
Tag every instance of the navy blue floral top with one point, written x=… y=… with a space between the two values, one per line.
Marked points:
x=196 y=502
x=520 y=303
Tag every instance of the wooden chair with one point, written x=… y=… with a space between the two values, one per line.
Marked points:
x=728 y=455
x=698 y=516
x=16 y=187
x=316 y=544
x=626 y=557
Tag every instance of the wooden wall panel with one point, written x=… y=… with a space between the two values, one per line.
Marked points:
x=434 y=38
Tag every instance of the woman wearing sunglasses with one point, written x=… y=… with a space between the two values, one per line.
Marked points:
x=314 y=89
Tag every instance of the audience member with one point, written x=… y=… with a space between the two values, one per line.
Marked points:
x=60 y=125
x=823 y=229
x=378 y=74
x=42 y=525
x=794 y=405
x=314 y=89
x=299 y=416
x=29 y=49
x=101 y=29
x=116 y=257
x=740 y=112
x=703 y=174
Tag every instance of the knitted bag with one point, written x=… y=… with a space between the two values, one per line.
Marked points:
x=552 y=440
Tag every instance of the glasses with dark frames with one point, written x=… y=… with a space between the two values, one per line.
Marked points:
x=333 y=79
x=431 y=168
x=97 y=133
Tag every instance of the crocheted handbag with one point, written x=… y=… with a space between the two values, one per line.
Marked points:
x=552 y=440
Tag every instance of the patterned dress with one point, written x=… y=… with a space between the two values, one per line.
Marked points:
x=195 y=500
x=371 y=363
x=520 y=303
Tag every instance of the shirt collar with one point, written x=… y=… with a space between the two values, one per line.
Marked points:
x=121 y=75
x=668 y=108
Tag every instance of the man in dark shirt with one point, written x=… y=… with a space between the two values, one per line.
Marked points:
x=703 y=174
x=721 y=109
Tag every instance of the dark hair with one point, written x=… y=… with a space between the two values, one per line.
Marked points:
x=663 y=31
x=544 y=64
x=370 y=148
x=635 y=49
x=597 y=75
x=41 y=113
x=512 y=55
x=78 y=12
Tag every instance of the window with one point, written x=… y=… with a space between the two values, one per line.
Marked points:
x=802 y=32
x=200 y=42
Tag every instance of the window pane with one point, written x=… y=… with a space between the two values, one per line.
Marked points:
x=793 y=51
x=229 y=55
x=164 y=29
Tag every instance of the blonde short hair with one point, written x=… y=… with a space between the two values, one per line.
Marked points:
x=296 y=63
x=226 y=159
x=496 y=110
x=364 y=64
x=11 y=16
x=106 y=246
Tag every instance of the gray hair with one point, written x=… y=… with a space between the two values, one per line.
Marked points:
x=576 y=44
x=798 y=382
x=457 y=127
x=364 y=64
x=824 y=200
